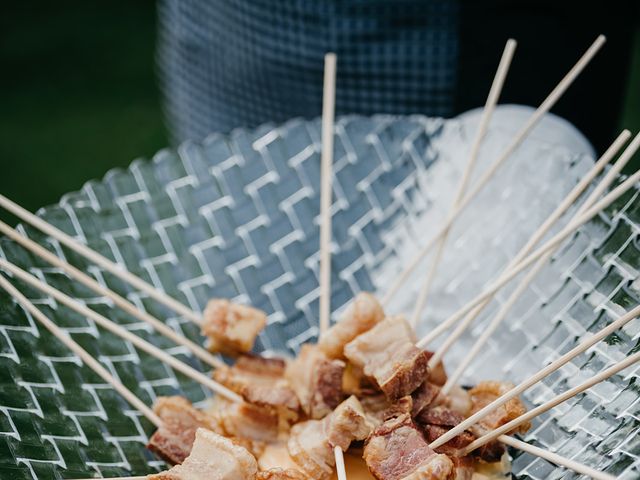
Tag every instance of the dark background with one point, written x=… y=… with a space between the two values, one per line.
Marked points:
x=79 y=92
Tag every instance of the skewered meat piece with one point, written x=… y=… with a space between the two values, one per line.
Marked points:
x=436 y=421
x=437 y=374
x=282 y=474
x=464 y=468
x=213 y=457
x=423 y=397
x=311 y=443
x=397 y=450
x=261 y=381
x=486 y=392
x=316 y=380
x=387 y=354
x=361 y=315
x=246 y=421
x=230 y=327
x=173 y=440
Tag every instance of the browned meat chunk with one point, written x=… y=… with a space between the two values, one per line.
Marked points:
x=213 y=457
x=437 y=374
x=423 y=397
x=486 y=392
x=261 y=381
x=436 y=421
x=316 y=380
x=361 y=315
x=311 y=443
x=246 y=421
x=464 y=467
x=173 y=440
x=282 y=474
x=397 y=450
x=387 y=354
x=231 y=328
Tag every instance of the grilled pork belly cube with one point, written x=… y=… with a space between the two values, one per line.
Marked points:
x=282 y=474
x=486 y=392
x=464 y=468
x=396 y=450
x=437 y=374
x=424 y=397
x=230 y=327
x=436 y=421
x=260 y=381
x=173 y=440
x=387 y=353
x=213 y=457
x=361 y=315
x=311 y=443
x=316 y=380
x=247 y=421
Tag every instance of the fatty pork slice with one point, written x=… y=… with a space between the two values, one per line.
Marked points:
x=311 y=443
x=213 y=457
x=316 y=380
x=173 y=440
x=396 y=450
x=260 y=381
x=361 y=315
x=387 y=353
x=230 y=327
x=486 y=392
x=282 y=474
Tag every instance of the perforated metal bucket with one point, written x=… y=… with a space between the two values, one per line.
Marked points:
x=235 y=217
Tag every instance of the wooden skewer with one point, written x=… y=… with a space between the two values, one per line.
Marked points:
x=326 y=164
x=563 y=397
x=487 y=112
x=544 y=107
x=326 y=177
x=552 y=367
x=526 y=280
x=79 y=351
x=121 y=332
x=342 y=473
x=555 y=458
x=100 y=260
x=569 y=229
x=120 y=301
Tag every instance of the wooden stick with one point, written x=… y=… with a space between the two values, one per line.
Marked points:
x=326 y=164
x=326 y=177
x=569 y=229
x=121 y=332
x=605 y=183
x=120 y=301
x=555 y=458
x=552 y=367
x=341 y=471
x=485 y=118
x=80 y=352
x=100 y=260
x=563 y=397
x=544 y=107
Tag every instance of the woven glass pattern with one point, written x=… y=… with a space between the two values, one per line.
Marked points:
x=236 y=216
x=246 y=62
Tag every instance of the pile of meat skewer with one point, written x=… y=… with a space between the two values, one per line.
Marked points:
x=365 y=387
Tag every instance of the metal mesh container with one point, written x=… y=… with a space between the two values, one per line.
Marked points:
x=236 y=216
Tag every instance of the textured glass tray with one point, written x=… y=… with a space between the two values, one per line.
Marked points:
x=235 y=217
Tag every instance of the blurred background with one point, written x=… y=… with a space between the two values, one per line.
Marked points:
x=80 y=83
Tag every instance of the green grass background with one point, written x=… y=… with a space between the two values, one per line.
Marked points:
x=69 y=117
